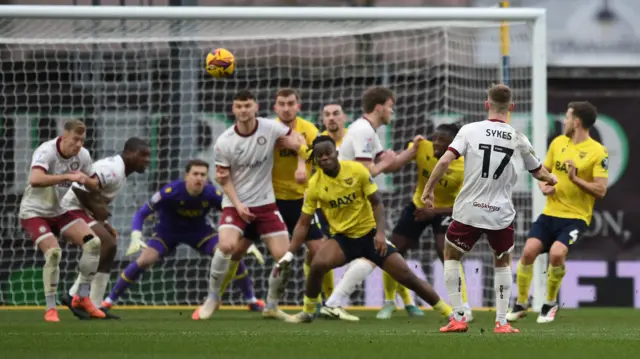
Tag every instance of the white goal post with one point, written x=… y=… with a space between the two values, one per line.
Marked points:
x=137 y=70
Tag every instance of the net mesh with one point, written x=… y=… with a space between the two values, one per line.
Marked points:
x=146 y=78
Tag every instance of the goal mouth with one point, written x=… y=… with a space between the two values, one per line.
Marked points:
x=135 y=76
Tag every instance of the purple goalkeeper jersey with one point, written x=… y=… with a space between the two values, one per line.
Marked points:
x=178 y=212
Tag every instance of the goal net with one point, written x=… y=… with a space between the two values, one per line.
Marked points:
x=146 y=78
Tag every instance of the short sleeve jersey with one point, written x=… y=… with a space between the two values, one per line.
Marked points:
x=490 y=172
x=112 y=176
x=361 y=142
x=448 y=187
x=46 y=201
x=592 y=161
x=250 y=161
x=343 y=199
x=285 y=163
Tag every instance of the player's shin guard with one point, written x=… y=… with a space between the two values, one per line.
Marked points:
x=327 y=284
x=390 y=287
x=554 y=279
x=242 y=279
x=503 y=280
x=88 y=264
x=219 y=268
x=453 y=283
x=98 y=288
x=228 y=277
x=51 y=275
x=355 y=274
x=463 y=287
x=524 y=276
x=127 y=277
x=277 y=282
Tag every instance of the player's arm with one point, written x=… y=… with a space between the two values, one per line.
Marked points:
x=93 y=182
x=439 y=170
x=598 y=187
x=39 y=176
x=378 y=212
x=93 y=201
x=532 y=162
x=406 y=156
x=304 y=222
x=147 y=209
x=370 y=190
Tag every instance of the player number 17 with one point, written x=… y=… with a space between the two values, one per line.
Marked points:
x=486 y=159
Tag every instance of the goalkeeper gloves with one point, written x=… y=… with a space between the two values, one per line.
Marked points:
x=254 y=251
x=136 y=243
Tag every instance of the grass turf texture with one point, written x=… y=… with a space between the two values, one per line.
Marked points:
x=170 y=333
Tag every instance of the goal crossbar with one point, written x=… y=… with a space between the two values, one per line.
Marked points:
x=270 y=13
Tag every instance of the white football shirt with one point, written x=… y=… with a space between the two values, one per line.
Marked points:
x=112 y=176
x=46 y=201
x=250 y=160
x=490 y=149
x=361 y=142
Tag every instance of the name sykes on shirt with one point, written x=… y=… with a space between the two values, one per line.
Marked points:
x=343 y=200
x=505 y=135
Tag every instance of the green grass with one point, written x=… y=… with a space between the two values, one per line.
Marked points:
x=159 y=334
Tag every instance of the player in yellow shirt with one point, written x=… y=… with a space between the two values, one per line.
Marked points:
x=580 y=163
x=290 y=173
x=348 y=196
x=415 y=218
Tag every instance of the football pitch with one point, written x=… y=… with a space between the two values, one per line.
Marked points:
x=170 y=333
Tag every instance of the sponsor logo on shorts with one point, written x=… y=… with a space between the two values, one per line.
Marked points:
x=459 y=243
x=42 y=229
x=228 y=219
x=486 y=206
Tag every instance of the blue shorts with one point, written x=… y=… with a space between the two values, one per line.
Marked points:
x=549 y=229
x=322 y=223
x=408 y=227
x=204 y=240
x=363 y=247
x=290 y=210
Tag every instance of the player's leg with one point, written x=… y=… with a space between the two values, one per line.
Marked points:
x=440 y=226
x=334 y=253
x=502 y=242
x=358 y=270
x=328 y=282
x=405 y=235
x=40 y=231
x=315 y=240
x=157 y=249
x=80 y=234
x=540 y=237
x=459 y=239
x=567 y=232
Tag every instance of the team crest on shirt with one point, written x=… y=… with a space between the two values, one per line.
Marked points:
x=261 y=140
x=42 y=229
x=348 y=181
x=205 y=204
x=182 y=203
x=74 y=166
x=582 y=154
x=167 y=190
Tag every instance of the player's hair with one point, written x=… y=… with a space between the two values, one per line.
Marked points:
x=135 y=144
x=333 y=102
x=585 y=111
x=500 y=98
x=244 y=95
x=318 y=140
x=452 y=128
x=286 y=92
x=75 y=126
x=196 y=163
x=374 y=96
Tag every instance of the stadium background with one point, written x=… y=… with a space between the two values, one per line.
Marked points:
x=582 y=65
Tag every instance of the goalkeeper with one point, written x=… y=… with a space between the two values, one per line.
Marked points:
x=182 y=208
x=348 y=196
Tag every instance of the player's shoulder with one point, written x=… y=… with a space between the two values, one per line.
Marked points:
x=354 y=167
x=84 y=154
x=306 y=124
x=49 y=147
x=226 y=137
x=559 y=141
x=597 y=147
x=172 y=189
x=210 y=190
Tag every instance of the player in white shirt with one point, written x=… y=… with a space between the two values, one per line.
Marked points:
x=484 y=204
x=244 y=161
x=92 y=207
x=361 y=143
x=55 y=165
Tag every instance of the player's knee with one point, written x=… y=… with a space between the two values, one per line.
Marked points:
x=502 y=260
x=92 y=243
x=109 y=245
x=531 y=250
x=148 y=258
x=226 y=247
x=52 y=257
x=558 y=254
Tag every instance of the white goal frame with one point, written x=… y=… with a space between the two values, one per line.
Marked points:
x=536 y=17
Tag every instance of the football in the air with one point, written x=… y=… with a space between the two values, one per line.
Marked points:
x=220 y=63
